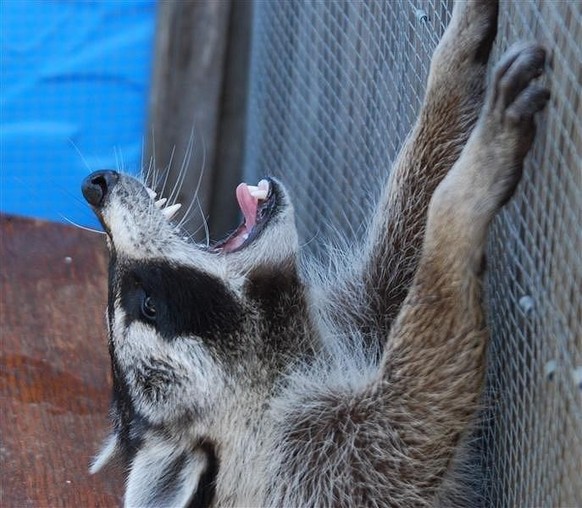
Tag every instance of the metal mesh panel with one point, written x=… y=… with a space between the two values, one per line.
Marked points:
x=534 y=453
x=334 y=90
x=335 y=87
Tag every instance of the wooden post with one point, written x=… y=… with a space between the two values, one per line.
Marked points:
x=185 y=97
x=228 y=161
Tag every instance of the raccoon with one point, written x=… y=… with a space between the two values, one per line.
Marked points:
x=240 y=378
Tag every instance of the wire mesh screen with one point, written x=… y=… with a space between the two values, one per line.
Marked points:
x=334 y=90
x=535 y=287
x=335 y=87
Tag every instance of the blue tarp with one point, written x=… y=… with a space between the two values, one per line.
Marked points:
x=75 y=81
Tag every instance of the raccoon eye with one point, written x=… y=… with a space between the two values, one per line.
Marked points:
x=148 y=309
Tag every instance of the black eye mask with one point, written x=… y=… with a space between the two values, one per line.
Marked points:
x=178 y=300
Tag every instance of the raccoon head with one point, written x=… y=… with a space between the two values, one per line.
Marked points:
x=190 y=326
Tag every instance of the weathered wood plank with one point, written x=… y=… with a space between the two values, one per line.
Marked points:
x=54 y=376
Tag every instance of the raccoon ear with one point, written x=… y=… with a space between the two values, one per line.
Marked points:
x=163 y=475
x=110 y=452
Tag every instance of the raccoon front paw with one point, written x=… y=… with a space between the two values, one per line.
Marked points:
x=507 y=123
x=516 y=97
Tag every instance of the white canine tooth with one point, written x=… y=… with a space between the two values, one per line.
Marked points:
x=151 y=193
x=169 y=211
x=245 y=236
x=161 y=202
x=264 y=184
x=260 y=193
x=252 y=188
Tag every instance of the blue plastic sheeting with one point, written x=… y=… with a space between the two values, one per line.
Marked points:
x=75 y=80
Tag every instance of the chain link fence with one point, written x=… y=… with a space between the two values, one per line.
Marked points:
x=335 y=88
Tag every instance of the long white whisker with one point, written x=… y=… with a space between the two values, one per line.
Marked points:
x=183 y=169
x=121 y=158
x=202 y=169
x=167 y=171
x=73 y=223
x=116 y=158
x=78 y=150
x=204 y=223
x=144 y=173
x=194 y=197
x=151 y=172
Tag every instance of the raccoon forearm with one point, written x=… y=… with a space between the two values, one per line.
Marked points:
x=397 y=233
x=452 y=102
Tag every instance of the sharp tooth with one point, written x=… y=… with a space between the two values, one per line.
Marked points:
x=252 y=188
x=260 y=193
x=160 y=202
x=245 y=236
x=170 y=211
x=264 y=184
x=151 y=193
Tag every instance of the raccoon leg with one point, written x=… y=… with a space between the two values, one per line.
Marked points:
x=453 y=99
x=393 y=442
x=433 y=366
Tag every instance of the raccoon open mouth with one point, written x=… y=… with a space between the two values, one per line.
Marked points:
x=257 y=204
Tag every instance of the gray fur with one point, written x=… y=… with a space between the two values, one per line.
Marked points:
x=352 y=385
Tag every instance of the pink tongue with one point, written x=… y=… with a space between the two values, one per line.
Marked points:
x=248 y=204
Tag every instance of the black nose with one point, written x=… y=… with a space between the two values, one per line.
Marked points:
x=96 y=186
